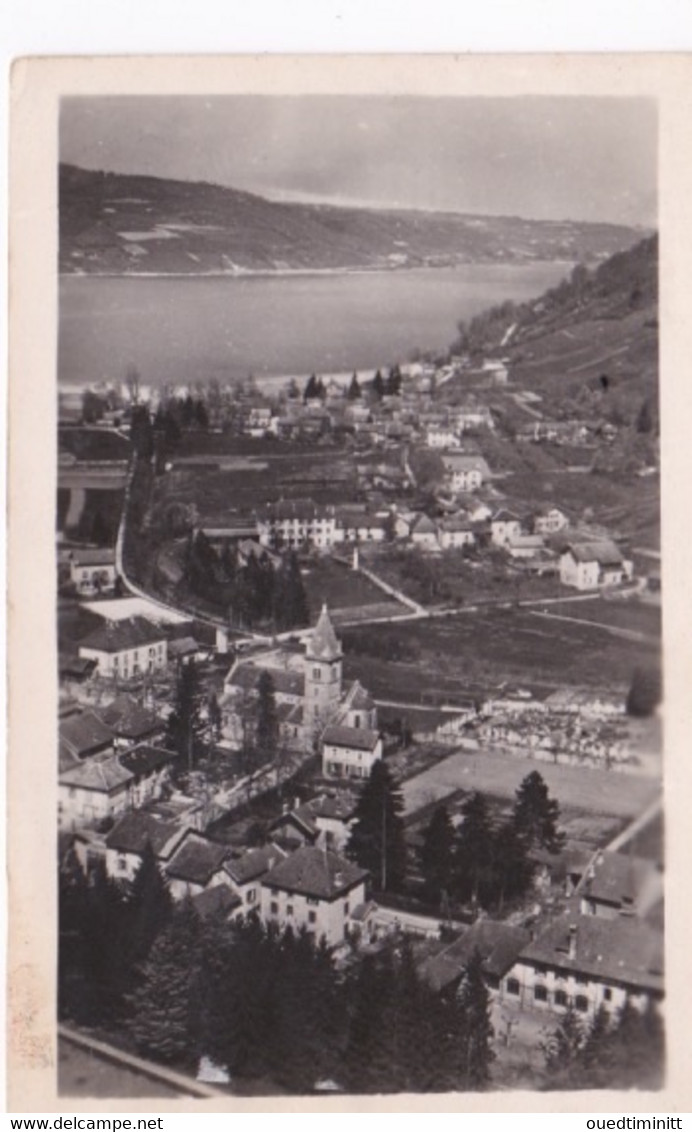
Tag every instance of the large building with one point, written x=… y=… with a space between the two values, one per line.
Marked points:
x=314 y=889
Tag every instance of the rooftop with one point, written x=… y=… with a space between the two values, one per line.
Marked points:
x=622 y=880
x=602 y=551
x=216 y=901
x=253 y=863
x=84 y=734
x=128 y=718
x=498 y=943
x=103 y=774
x=197 y=859
x=361 y=738
x=245 y=676
x=145 y=759
x=315 y=872
x=102 y=556
x=323 y=644
x=621 y=950
x=131 y=833
x=120 y=635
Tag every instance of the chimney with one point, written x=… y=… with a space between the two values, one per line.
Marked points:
x=338 y=879
x=572 y=951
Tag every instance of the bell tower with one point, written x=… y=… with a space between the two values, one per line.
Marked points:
x=323 y=658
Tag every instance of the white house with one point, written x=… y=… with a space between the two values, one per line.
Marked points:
x=550 y=521
x=324 y=821
x=126 y=648
x=593 y=565
x=504 y=526
x=524 y=546
x=424 y=534
x=350 y=752
x=456 y=532
x=465 y=473
x=93 y=571
x=293 y=523
x=587 y=962
x=127 y=840
x=95 y=789
x=150 y=770
x=314 y=889
x=440 y=436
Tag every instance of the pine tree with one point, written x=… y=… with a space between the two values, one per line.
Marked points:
x=310 y=391
x=378 y=385
x=183 y=723
x=267 y=735
x=163 y=1006
x=536 y=814
x=437 y=855
x=512 y=869
x=148 y=907
x=474 y=851
x=354 y=390
x=377 y=840
x=563 y=1047
x=473 y=1000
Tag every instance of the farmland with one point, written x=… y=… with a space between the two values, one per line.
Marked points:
x=453 y=656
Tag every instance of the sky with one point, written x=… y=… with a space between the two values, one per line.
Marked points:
x=543 y=158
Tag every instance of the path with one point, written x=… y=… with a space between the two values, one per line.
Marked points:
x=179 y=1083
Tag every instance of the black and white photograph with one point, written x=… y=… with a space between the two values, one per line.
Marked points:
x=357 y=587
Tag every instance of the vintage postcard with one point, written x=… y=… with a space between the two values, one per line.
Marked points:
x=349 y=665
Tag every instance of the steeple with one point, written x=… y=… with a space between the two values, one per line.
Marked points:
x=324 y=644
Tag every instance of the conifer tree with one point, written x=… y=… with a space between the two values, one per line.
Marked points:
x=563 y=1047
x=184 y=721
x=535 y=815
x=163 y=1006
x=377 y=836
x=474 y=851
x=437 y=855
x=267 y=735
x=354 y=390
x=148 y=907
x=473 y=1000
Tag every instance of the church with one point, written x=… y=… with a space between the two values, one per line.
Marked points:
x=316 y=712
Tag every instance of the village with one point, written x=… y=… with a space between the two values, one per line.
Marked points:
x=223 y=706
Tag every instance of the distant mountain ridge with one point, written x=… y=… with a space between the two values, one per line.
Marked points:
x=113 y=223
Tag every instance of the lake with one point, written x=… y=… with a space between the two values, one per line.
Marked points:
x=181 y=330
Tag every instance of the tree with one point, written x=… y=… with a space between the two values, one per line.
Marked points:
x=644 y=695
x=437 y=855
x=133 y=380
x=378 y=385
x=149 y=906
x=311 y=389
x=474 y=851
x=163 y=1006
x=563 y=1047
x=377 y=837
x=141 y=432
x=183 y=723
x=473 y=1000
x=354 y=390
x=511 y=865
x=536 y=814
x=267 y=735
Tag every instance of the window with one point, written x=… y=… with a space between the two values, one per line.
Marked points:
x=561 y=998
x=275 y=892
x=274 y=908
x=347 y=908
x=122 y=864
x=582 y=1003
x=289 y=909
x=608 y=994
x=312 y=917
x=512 y=986
x=540 y=993
x=312 y=900
x=251 y=895
x=582 y=979
x=316 y=673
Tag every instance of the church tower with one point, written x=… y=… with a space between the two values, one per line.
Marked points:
x=322 y=675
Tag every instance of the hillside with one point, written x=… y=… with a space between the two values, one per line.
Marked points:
x=125 y=224
x=588 y=347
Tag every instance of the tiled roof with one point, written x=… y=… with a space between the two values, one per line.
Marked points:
x=621 y=950
x=129 y=718
x=84 y=734
x=105 y=775
x=498 y=943
x=183 y=646
x=116 y=636
x=302 y=818
x=617 y=878
x=104 y=556
x=197 y=859
x=145 y=759
x=132 y=832
x=458 y=462
x=602 y=551
x=253 y=863
x=218 y=900
x=339 y=807
x=360 y=738
x=505 y=516
x=315 y=872
x=423 y=526
x=357 y=699
x=323 y=644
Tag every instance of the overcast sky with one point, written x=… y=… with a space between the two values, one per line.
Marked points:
x=541 y=157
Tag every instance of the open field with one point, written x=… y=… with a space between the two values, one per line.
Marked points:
x=345 y=590
x=454 y=657
x=631 y=614
x=576 y=788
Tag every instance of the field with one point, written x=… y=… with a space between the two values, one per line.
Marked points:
x=344 y=590
x=93 y=443
x=576 y=788
x=464 y=654
x=632 y=615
